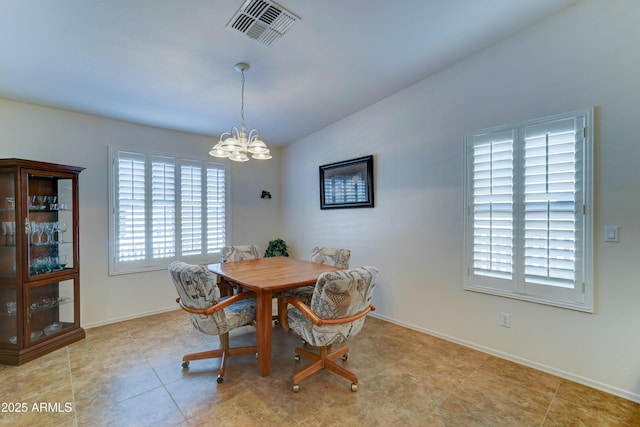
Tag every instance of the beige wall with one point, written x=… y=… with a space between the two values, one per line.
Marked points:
x=586 y=56
x=52 y=135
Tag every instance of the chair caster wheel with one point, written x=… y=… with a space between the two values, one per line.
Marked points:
x=295 y=388
x=354 y=387
x=219 y=379
x=185 y=365
x=345 y=357
x=296 y=357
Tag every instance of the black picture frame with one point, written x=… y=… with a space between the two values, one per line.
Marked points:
x=347 y=184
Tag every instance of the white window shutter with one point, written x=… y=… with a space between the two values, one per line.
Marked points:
x=492 y=204
x=216 y=208
x=191 y=207
x=553 y=214
x=130 y=206
x=163 y=207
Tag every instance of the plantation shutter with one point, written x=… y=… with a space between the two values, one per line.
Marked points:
x=553 y=202
x=216 y=208
x=493 y=204
x=191 y=207
x=130 y=206
x=163 y=207
x=528 y=201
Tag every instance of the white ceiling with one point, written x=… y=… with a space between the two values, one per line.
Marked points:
x=170 y=63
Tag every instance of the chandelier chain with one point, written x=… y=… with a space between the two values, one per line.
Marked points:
x=242 y=100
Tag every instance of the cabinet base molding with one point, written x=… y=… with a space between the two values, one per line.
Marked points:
x=21 y=356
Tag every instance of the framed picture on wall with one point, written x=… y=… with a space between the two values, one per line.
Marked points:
x=347 y=184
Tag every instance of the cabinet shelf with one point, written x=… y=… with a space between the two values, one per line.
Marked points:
x=32 y=209
x=48 y=304
x=49 y=244
x=34 y=272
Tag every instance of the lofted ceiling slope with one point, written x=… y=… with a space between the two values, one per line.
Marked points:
x=170 y=63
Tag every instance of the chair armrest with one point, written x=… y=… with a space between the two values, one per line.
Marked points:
x=216 y=307
x=319 y=321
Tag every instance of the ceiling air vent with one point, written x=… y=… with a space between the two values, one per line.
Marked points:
x=262 y=21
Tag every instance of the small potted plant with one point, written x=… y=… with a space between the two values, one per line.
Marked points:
x=277 y=247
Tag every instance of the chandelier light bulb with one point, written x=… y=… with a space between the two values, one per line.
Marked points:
x=258 y=146
x=216 y=151
x=261 y=156
x=239 y=156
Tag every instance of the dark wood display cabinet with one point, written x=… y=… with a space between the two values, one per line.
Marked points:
x=39 y=259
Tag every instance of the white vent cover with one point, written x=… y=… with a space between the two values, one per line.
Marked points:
x=262 y=21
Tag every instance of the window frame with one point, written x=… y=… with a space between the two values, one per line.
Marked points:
x=581 y=296
x=149 y=263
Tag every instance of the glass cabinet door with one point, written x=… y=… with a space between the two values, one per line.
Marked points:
x=8 y=253
x=9 y=298
x=8 y=316
x=50 y=309
x=49 y=224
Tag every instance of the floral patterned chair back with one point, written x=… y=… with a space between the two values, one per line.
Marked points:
x=336 y=294
x=200 y=299
x=331 y=256
x=238 y=253
x=197 y=288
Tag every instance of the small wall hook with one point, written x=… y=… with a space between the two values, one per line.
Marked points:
x=265 y=194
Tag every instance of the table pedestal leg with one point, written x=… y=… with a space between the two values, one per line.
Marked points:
x=263 y=331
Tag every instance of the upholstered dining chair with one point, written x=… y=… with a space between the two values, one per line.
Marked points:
x=199 y=296
x=339 y=304
x=240 y=252
x=330 y=256
x=237 y=253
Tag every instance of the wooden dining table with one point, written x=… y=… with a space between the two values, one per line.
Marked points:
x=265 y=277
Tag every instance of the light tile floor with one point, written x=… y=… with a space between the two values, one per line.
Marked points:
x=130 y=374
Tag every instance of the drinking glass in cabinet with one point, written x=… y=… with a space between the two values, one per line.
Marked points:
x=11 y=307
x=8 y=232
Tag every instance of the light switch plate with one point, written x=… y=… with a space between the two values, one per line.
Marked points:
x=611 y=233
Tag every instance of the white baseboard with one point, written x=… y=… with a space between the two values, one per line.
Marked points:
x=148 y=313
x=130 y=317
x=625 y=394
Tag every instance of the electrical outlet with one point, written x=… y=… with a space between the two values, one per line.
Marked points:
x=505 y=320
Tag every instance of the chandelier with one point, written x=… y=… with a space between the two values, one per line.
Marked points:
x=237 y=144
